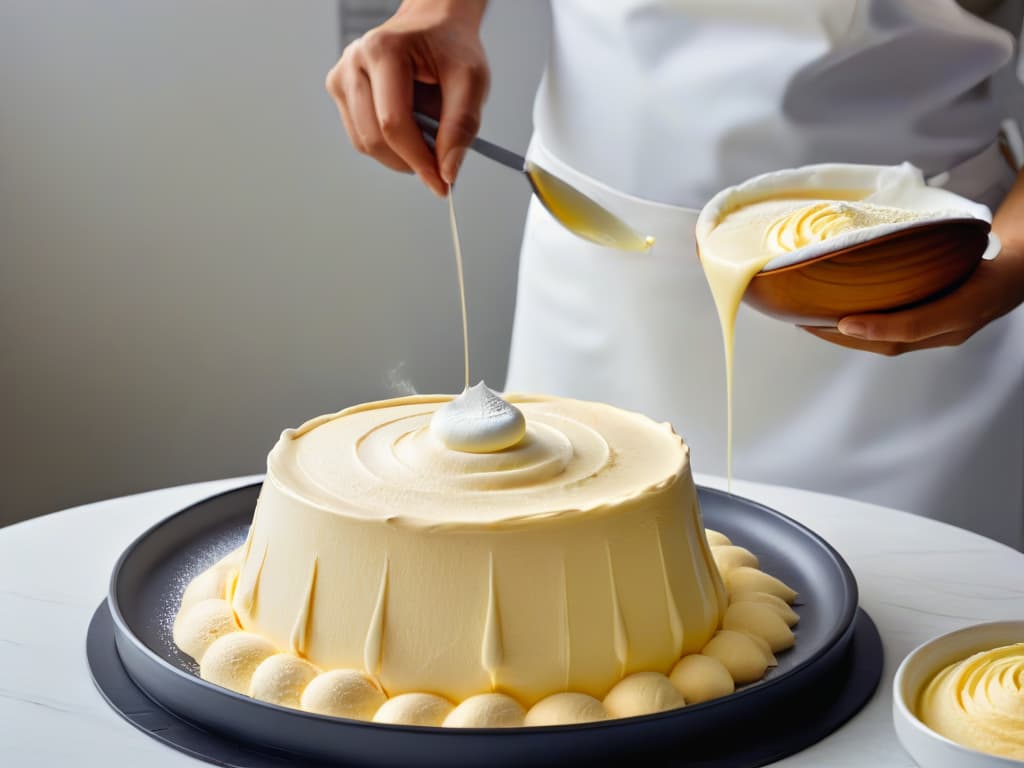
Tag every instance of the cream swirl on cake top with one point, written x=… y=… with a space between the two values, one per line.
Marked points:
x=568 y=459
x=478 y=421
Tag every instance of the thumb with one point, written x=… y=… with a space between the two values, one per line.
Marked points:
x=462 y=96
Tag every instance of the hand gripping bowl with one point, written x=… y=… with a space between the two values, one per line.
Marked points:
x=823 y=681
x=891 y=272
x=889 y=267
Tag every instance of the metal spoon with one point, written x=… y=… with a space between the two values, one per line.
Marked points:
x=570 y=207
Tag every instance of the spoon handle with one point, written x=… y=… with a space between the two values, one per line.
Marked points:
x=501 y=155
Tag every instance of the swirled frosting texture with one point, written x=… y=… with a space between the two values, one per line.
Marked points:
x=566 y=561
x=383 y=461
x=826 y=219
x=832 y=205
x=979 y=702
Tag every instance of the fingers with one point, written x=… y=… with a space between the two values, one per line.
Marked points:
x=967 y=308
x=464 y=89
x=374 y=94
x=908 y=326
x=349 y=86
x=359 y=104
x=375 y=84
x=392 y=79
x=889 y=348
x=993 y=289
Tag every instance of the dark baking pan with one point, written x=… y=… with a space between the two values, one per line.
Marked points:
x=811 y=678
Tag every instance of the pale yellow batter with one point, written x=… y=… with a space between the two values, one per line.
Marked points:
x=750 y=236
x=979 y=702
x=457 y=245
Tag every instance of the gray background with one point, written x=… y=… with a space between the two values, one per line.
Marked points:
x=193 y=258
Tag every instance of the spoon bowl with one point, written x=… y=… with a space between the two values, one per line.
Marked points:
x=581 y=215
x=571 y=208
x=890 y=272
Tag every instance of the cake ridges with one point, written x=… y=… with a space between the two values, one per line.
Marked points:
x=373 y=648
x=491 y=646
x=719 y=597
x=620 y=638
x=300 y=631
x=248 y=544
x=566 y=630
x=246 y=595
x=194 y=611
x=675 y=621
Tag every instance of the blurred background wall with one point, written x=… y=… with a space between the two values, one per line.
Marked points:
x=193 y=258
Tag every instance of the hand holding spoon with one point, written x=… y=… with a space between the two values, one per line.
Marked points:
x=571 y=208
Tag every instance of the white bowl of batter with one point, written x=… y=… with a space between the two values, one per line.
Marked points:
x=968 y=684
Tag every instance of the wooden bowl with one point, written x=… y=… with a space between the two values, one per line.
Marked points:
x=890 y=272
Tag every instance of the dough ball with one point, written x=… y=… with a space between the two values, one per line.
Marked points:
x=701 y=678
x=198 y=626
x=211 y=584
x=716 y=539
x=565 y=709
x=780 y=606
x=414 y=709
x=745 y=579
x=739 y=653
x=486 y=710
x=729 y=557
x=761 y=620
x=641 y=694
x=231 y=660
x=281 y=678
x=343 y=693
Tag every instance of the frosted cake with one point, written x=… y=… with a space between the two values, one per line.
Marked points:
x=483 y=561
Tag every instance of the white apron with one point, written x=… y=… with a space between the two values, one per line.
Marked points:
x=935 y=432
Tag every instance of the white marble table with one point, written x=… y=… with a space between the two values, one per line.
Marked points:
x=917 y=578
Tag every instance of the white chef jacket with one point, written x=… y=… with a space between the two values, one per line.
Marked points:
x=651 y=107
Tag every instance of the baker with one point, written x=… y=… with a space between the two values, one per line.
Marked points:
x=651 y=107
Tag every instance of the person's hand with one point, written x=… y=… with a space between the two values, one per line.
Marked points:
x=993 y=289
x=427 y=57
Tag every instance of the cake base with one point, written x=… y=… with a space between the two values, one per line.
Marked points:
x=839 y=698
x=818 y=684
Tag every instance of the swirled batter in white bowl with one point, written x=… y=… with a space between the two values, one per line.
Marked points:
x=979 y=701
